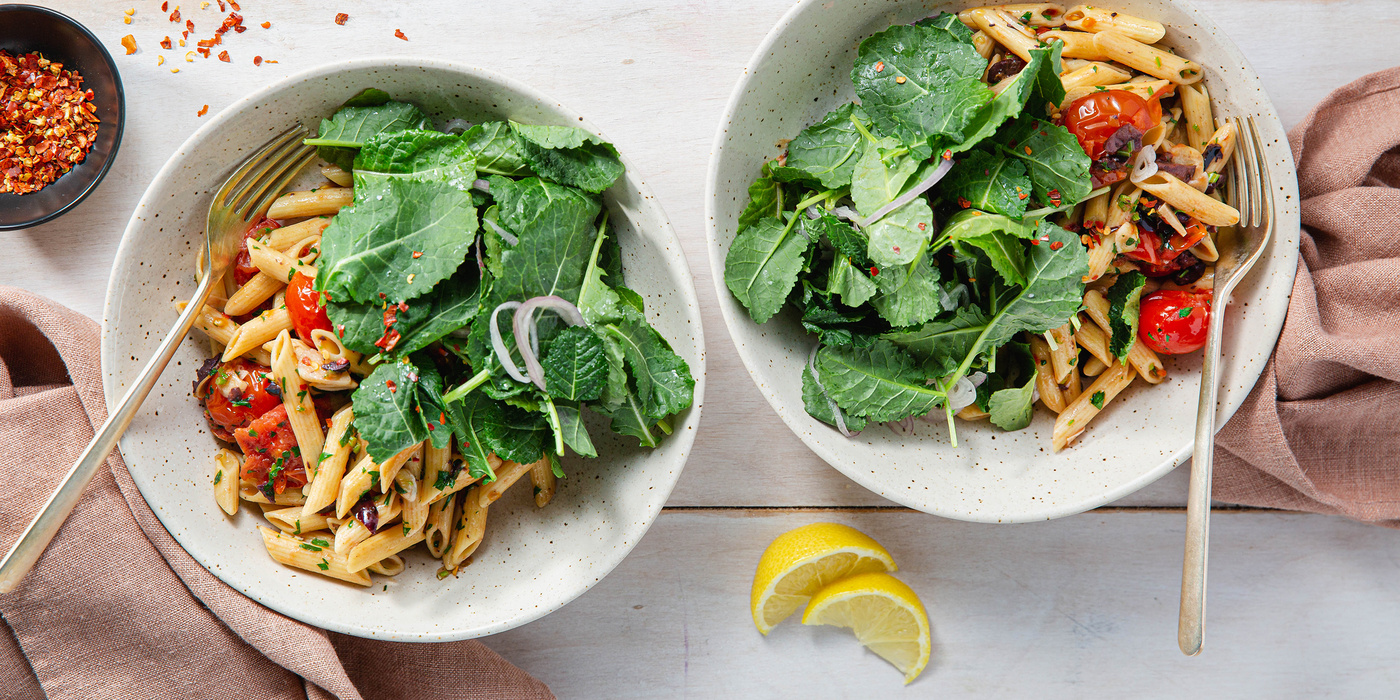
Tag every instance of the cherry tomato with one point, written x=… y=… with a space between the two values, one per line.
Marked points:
x=304 y=306
x=1178 y=244
x=243 y=267
x=269 y=448
x=1149 y=250
x=1094 y=117
x=1174 y=322
x=247 y=384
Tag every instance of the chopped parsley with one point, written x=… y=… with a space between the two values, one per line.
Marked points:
x=310 y=547
x=1184 y=312
x=218 y=477
x=1097 y=399
x=324 y=565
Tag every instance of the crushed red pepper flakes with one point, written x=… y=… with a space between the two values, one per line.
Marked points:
x=1056 y=245
x=257 y=60
x=165 y=7
x=234 y=5
x=341 y=18
x=417 y=254
x=223 y=56
x=189 y=24
x=175 y=16
x=129 y=43
x=202 y=111
x=165 y=43
x=222 y=6
x=47 y=121
x=399 y=33
x=266 y=25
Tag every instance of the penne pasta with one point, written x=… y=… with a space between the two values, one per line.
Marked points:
x=1045 y=384
x=1071 y=386
x=441 y=516
x=1116 y=46
x=337 y=174
x=542 y=478
x=387 y=507
x=380 y=546
x=281 y=266
x=250 y=493
x=292 y=520
x=355 y=484
x=984 y=44
x=317 y=202
x=471 y=528
x=1097 y=19
x=1076 y=416
x=1195 y=106
x=1077 y=44
x=257 y=332
x=1092 y=338
x=1182 y=196
x=296 y=397
x=391 y=466
x=252 y=294
x=330 y=467
x=1146 y=362
x=1036 y=14
x=1224 y=137
x=1016 y=37
x=227 y=467
x=1092 y=74
x=972 y=412
x=1124 y=197
x=392 y=565
x=310 y=555
x=1094 y=367
x=508 y=474
x=221 y=329
x=1101 y=255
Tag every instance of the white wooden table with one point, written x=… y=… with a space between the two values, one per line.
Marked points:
x=1300 y=605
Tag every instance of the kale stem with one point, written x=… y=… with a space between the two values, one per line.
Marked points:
x=664 y=426
x=861 y=128
x=797 y=213
x=952 y=430
x=554 y=423
x=466 y=388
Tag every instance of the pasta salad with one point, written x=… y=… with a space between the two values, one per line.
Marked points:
x=1020 y=208
x=397 y=347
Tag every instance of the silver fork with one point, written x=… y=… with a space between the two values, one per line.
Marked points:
x=1252 y=194
x=244 y=197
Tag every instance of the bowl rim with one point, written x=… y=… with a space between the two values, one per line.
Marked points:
x=121 y=116
x=609 y=559
x=733 y=318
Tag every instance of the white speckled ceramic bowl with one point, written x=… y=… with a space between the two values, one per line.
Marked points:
x=799 y=73
x=533 y=561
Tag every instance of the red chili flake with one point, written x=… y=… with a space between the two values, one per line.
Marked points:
x=340 y=327
x=392 y=386
x=1028 y=150
x=165 y=43
x=184 y=35
x=1054 y=197
x=189 y=24
x=381 y=295
x=128 y=43
x=874 y=271
x=202 y=111
x=204 y=52
x=391 y=314
x=223 y=56
x=948 y=154
x=430 y=424
x=879 y=66
x=399 y=33
x=341 y=17
x=923 y=226
x=234 y=4
x=175 y=16
x=964 y=203
x=1035 y=241
x=47 y=120
x=257 y=60
x=269 y=61
x=266 y=25
x=240 y=29
x=1023 y=195
x=222 y=6
x=1056 y=245
x=417 y=254
x=896 y=250
x=442 y=417
x=165 y=7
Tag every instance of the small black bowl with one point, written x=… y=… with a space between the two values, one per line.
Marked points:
x=27 y=28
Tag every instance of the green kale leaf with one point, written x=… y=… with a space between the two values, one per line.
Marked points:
x=1059 y=168
x=496 y=151
x=386 y=410
x=819 y=406
x=762 y=265
x=990 y=182
x=575 y=365
x=918 y=82
x=829 y=149
x=569 y=155
x=881 y=383
x=662 y=379
x=1124 y=302
x=351 y=126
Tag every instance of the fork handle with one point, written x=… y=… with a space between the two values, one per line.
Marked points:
x=1191 y=625
x=41 y=530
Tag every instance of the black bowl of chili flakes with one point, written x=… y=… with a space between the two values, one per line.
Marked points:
x=62 y=110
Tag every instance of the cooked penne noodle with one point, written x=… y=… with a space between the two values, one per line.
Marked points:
x=1100 y=257
x=1036 y=14
x=1050 y=393
x=227 y=467
x=1124 y=197
x=972 y=412
x=1062 y=352
x=355 y=484
x=1094 y=367
x=1076 y=416
x=337 y=174
x=1092 y=74
x=1224 y=137
x=221 y=329
x=283 y=238
x=305 y=554
x=1151 y=60
x=442 y=514
x=1071 y=385
x=1195 y=104
x=252 y=294
x=984 y=44
x=332 y=350
x=353 y=532
x=250 y=493
x=391 y=466
x=508 y=474
x=292 y=520
x=1146 y=362
x=1092 y=338
x=1205 y=249
x=296 y=397
x=281 y=266
x=311 y=368
x=1096 y=210
x=1190 y=200
x=1077 y=44
x=317 y=202
x=435 y=461
x=384 y=544
x=1016 y=37
x=330 y=468
x=392 y=565
x=470 y=529
x=542 y=477
x=257 y=332
x=1097 y=19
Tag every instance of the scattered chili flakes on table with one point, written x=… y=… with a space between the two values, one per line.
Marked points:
x=266 y=25
x=202 y=111
x=223 y=56
x=341 y=18
x=399 y=33
x=165 y=43
x=47 y=122
x=129 y=43
x=257 y=60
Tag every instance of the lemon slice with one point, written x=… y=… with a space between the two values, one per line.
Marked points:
x=799 y=562
x=885 y=615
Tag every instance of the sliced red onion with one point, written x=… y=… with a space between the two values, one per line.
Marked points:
x=505 y=235
x=812 y=212
x=944 y=166
x=499 y=345
x=527 y=334
x=480 y=262
x=1144 y=165
x=830 y=402
x=457 y=125
x=962 y=394
x=849 y=214
x=482 y=185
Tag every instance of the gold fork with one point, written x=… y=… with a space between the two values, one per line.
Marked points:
x=1252 y=194
x=243 y=198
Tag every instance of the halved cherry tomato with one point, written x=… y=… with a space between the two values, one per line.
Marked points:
x=1094 y=117
x=270 y=448
x=1149 y=250
x=243 y=267
x=1178 y=244
x=236 y=394
x=1174 y=322
x=304 y=306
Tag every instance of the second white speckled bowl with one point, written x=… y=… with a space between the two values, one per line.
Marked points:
x=533 y=560
x=799 y=73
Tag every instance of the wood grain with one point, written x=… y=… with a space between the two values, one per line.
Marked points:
x=655 y=78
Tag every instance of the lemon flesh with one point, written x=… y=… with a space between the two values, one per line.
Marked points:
x=885 y=615
x=800 y=562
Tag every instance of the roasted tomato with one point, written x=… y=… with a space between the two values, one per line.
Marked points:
x=243 y=267
x=235 y=394
x=271 y=459
x=1094 y=117
x=1174 y=322
x=1148 y=253
x=1177 y=244
x=304 y=306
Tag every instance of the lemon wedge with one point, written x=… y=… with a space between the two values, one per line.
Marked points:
x=800 y=562
x=885 y=615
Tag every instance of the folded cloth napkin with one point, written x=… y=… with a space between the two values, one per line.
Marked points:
x=1321 y=430
x=116 y=609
